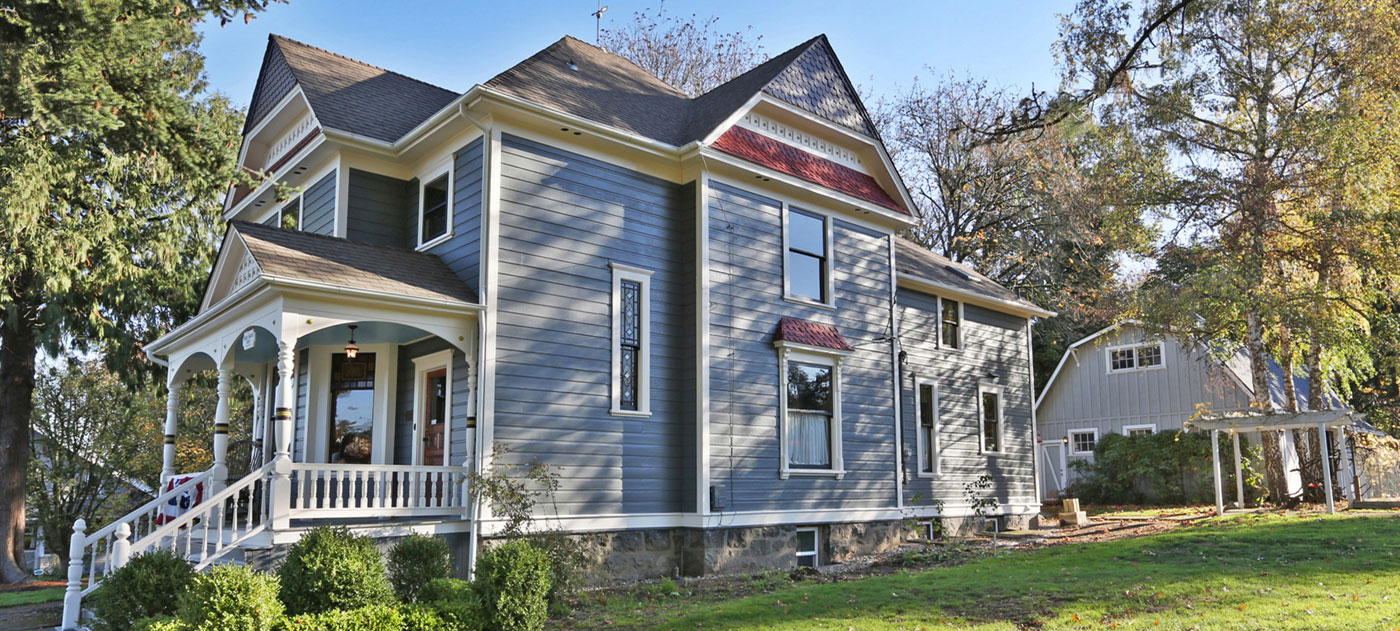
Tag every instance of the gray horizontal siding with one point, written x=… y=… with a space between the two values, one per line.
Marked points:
x=299 y=437
x=993 y=343
x=564 y=217
x=746 y=262
x=318 y=206
x=462 y=252
x=378 y=210
x=406 y=396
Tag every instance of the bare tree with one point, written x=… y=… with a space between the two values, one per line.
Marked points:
x=687 y=52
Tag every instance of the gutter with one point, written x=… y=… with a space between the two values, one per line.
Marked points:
x=1011 y=306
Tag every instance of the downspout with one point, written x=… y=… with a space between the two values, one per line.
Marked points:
x=474 y=508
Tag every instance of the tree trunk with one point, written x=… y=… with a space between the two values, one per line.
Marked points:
x=1274 y=473
x=18 y=350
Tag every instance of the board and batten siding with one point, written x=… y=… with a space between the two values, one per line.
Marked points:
x=1086 y=395
x=461 y=252
x=406 y=397
x=318 y=206
x=564 y=218
x=377 y=211
x=746 y=271
x=992 y=343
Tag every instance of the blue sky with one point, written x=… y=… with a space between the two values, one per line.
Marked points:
x=456 y=45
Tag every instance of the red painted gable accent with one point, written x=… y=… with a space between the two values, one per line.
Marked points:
x=788 y=159
x=811 y=334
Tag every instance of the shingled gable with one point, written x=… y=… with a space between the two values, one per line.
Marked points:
x=335 y=262
x=795 y=331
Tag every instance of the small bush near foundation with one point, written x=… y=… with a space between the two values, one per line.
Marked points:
x=445 y=589
x=333 y=569
x=513 y=581
x=422 y=617
x=466 y=615
x=231 y=598
x=415 y=561
x=372 y=618
x=158 y=623
x=148 y=586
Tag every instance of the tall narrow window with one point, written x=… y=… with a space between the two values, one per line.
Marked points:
x=928 y=428
x=434 y=212
x=807 y=256
x=809 y=415
x=991 y=419
x=951 y=323
x=352 y=409
x=631 y=307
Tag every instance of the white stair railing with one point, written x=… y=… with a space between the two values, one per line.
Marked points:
x=202 y=534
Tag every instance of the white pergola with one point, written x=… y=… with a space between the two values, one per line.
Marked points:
x=1322 y=421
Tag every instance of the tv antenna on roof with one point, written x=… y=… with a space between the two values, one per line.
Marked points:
x=598 y=21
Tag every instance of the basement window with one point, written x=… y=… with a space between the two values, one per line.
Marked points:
x=808 y=543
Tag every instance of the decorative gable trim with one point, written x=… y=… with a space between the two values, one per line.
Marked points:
x=762 y=150
x=778 y=131
x=235 y=269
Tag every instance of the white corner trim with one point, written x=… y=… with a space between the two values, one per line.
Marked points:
x=702 y=344
x=621 y=273
x=1000 y=392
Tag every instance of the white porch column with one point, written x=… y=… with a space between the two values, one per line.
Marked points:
x=1239 y=469
x=172 y=417
x=1326 y=466
x=282 y=436
x=221 y=414
x=1215 y=467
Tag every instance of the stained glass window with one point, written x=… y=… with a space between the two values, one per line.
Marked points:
x=631 y=341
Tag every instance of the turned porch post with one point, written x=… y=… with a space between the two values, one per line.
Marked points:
x=285 y=397
x=172 y=417
x=221 y=414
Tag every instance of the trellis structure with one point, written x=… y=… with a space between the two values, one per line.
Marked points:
x=1322 y=421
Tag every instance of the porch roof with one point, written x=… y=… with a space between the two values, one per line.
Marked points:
x=303 y=256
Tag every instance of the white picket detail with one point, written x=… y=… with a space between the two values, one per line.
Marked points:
x=322 y=490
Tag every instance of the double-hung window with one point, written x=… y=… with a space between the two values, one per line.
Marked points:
x=435 y=209
x=1134 y=357
x=808 y=268
x=631 y=340
x=990 y=412
x=926 y=398
x=811 y=413
x=950 y=323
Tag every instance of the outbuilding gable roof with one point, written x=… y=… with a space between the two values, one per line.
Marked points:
x=303 y=256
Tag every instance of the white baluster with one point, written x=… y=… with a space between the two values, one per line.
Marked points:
x=73 y=596
x=121 y=550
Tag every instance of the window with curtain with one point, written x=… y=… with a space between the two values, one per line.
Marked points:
x=809 y=413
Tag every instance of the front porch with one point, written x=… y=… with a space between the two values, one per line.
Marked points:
x=362 y=367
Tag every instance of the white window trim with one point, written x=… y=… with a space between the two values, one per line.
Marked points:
x=962 y=305
x=450 y=171
x=816 y=553
x=621 y=272
x=1069 y=439
x=318 y=402
x=301 y=209
x=1001 y=420
x=432 y=362
x=810 y=355
x=1137 y=363
x=933 y=450
x=829 y=230
x=1128 y=429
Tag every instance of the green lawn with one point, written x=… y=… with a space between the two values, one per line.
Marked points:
x=30 y=596
x=1246 y=572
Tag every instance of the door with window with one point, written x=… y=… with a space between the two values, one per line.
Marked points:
x=434 y=431
x=352 y=409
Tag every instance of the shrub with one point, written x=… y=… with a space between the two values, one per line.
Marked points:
x=446 y=589
x=158 y=623
x=421 y=617
x=465 y=615
x=371 y=618
x=333 y=569
x=146 y=587
x=415 y=561
x=1170 y=467
x=231 y=598
x=513 y=581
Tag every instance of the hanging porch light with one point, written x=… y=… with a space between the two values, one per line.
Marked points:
x=351 y=350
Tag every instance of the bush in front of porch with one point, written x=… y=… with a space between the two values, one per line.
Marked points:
x=415 y=561
x=330 y=568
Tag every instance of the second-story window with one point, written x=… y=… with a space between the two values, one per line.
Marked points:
x=950 y=323
x=290 y=215
x=808 y=256
x=434 y=210
x=631 y=341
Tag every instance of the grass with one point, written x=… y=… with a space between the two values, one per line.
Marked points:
x=1243 y=572
x=15 y=598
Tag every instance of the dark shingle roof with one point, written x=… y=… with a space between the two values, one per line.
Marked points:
x=915 y=260
x=355 y=97
x=335 y=261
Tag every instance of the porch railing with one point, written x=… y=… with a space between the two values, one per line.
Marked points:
x=358 y=490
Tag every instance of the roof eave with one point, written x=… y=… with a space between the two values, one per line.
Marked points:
x=901 y=220
x=1024 y=309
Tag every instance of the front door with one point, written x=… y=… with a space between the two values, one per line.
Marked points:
x=434 y=418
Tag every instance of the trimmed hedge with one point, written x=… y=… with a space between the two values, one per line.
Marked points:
x=415 y=561
x=231 y=598
x=513 y=581
x=372 y=618
x=329 y=569
x=146 y=587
